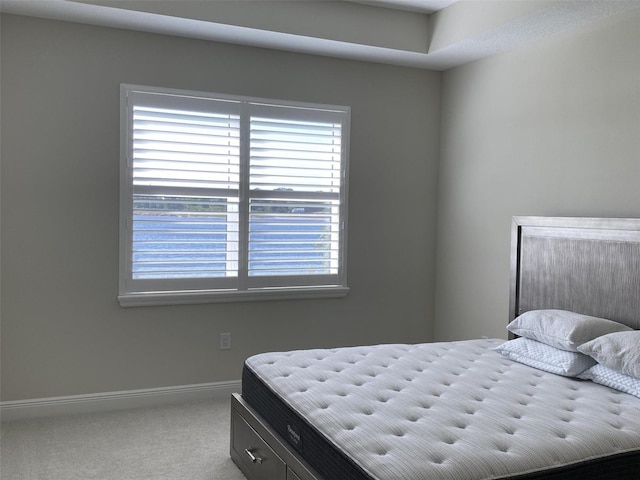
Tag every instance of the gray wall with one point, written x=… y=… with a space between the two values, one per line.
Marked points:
x=553 y=129
x=63 y=331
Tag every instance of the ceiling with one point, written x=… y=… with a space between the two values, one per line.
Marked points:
x=429 y=34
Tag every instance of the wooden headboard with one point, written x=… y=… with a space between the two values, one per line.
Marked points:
x=586 y=265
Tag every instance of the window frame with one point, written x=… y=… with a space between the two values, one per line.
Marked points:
x=141 y=293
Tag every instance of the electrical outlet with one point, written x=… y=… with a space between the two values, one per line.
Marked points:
x=225 y=341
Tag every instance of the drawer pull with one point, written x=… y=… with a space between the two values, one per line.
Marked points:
x=252 y=457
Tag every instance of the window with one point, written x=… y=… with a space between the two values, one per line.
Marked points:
x=227 y=198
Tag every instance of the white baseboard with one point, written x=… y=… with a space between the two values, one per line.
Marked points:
x=100 y=402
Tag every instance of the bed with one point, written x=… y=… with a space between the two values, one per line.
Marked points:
x=556 y=400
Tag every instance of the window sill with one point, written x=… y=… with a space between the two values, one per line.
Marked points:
x=148 y=299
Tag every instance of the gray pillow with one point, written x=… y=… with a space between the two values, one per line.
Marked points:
x=619 y=351
x=562 y=329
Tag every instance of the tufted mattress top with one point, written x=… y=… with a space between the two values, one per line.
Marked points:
x=454 y=411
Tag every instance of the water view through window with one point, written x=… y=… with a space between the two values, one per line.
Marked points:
x=198 y=238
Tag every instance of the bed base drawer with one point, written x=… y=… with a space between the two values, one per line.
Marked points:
x=258 y=452
x=253 y=455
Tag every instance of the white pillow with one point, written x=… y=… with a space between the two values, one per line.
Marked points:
x=610 y=378
x=562 y=329
x=619 y=351
x=545 y=357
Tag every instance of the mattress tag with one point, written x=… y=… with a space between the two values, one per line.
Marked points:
x=294 y=437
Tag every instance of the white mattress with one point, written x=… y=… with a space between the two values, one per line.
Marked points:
x=457 y=410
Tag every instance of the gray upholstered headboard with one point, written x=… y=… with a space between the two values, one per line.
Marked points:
x=586 y=265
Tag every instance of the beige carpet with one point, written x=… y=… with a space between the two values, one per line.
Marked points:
x=189 y=442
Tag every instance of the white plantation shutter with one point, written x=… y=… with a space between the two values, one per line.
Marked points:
x=185 y=163
x=230 y=194
x=295 y=196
